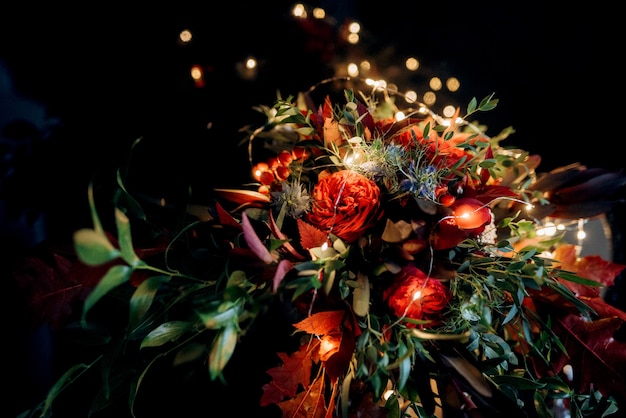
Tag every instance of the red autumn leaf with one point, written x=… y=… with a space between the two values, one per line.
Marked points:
x=226 y=218
x=286 y=245
x=488 y=194
x=295 y=370
x=244 y=197
x=597 y=357
x=337 y=364
x=603 y=309
x=589 y=267
x=322 y=323
x=310 y=236
x=309 y=403
x=50 y=290
x=596 y=268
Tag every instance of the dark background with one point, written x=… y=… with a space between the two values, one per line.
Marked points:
x=79 y=83
x=107 y=75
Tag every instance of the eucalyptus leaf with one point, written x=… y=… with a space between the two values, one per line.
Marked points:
x=405 y=365
x=222 y=349
x=114 y=277
x=361 y=295
x=94 y=248
x=520 y=383
x=226 y=313
x=166 y=332
x=142 y=298
x=124 y=238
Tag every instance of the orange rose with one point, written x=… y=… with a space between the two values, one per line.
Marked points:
x=415 y=295
x=345 y=203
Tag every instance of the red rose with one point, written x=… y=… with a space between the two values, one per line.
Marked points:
x=415 y=295
x=345 y=203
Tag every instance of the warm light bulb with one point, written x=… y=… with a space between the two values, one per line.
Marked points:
x=185 y=36
x=412 y=64
x=353 y=70
x=326 y=345
x=299 y=10
x=548 y=230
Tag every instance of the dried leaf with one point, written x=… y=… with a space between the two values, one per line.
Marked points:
x=322 y=323
x=309 y=403
x=310 y=237
x=286 y=378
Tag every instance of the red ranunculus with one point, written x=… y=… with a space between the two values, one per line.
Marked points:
x=345 y=203
x=403 y=299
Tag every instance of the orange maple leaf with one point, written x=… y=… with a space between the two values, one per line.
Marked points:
x=309 y=403
x=322 y=323
x=295 y=370
x=310 y=236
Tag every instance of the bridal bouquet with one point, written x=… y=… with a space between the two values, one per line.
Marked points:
x=408 y=253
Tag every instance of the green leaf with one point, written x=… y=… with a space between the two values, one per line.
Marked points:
x=65 y=380
x=222 y=349
x=471 y=107
x=124 y=238
x=361 y=296
x=520 y=383
x=405 y=365
x=511 y=314
x=166 y=332
x=94 y=248
x=225 y=313
x=114 y=277
x=142 y=298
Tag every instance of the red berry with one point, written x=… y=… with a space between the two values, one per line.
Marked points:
x=267 y=178
x=273 y=163
x=282 y=173
x=285 y=157
x=300 y=153
x=446 y=199
x=258 y=169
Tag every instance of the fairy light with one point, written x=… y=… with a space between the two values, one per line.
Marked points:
x=251 y=63
x=299 y=11
x=185 y=36
x=581 y=234
x=326 y=345
x=548 y=230
x=410 y=96
x=353 y=69
x=197 y=74
x=448 y=111
x=435 y=83
x=319 y=13
x=412 y=64
x=453 y=84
